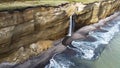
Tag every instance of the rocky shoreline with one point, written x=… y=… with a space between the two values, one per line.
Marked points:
x=25 y=32
x=43 y=58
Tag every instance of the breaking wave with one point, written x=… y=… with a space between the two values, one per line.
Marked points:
x=83 y=51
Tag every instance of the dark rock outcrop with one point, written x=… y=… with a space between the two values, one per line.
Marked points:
x=19 y=28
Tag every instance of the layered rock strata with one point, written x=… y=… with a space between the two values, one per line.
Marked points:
x=43 y=59
x=19 y=28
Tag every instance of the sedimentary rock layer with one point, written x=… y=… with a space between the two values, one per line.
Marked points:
x=43 y=59
x=25 y=26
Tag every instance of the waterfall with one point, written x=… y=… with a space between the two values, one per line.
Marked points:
x=67 y=40
x=71 y=25
x=86 y=50
x=83 y=52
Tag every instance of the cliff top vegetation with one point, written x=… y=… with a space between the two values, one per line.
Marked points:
x=18 y=4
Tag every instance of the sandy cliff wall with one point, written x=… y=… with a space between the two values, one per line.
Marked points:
x=22 y=27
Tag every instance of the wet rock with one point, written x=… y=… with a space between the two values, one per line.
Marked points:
x=49 y=23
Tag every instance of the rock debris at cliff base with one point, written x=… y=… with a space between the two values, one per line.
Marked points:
x=21 y=28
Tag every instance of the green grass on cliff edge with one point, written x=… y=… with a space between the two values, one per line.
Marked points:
x=11 y=4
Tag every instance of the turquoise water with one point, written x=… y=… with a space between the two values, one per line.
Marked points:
x=90 y=52
x=110 y=58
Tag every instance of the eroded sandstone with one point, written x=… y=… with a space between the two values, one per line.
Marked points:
x=20 y=28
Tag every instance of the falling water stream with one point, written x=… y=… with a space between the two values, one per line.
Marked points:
x=101 y=49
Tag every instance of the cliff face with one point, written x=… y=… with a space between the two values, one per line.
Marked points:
x=19 y=28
